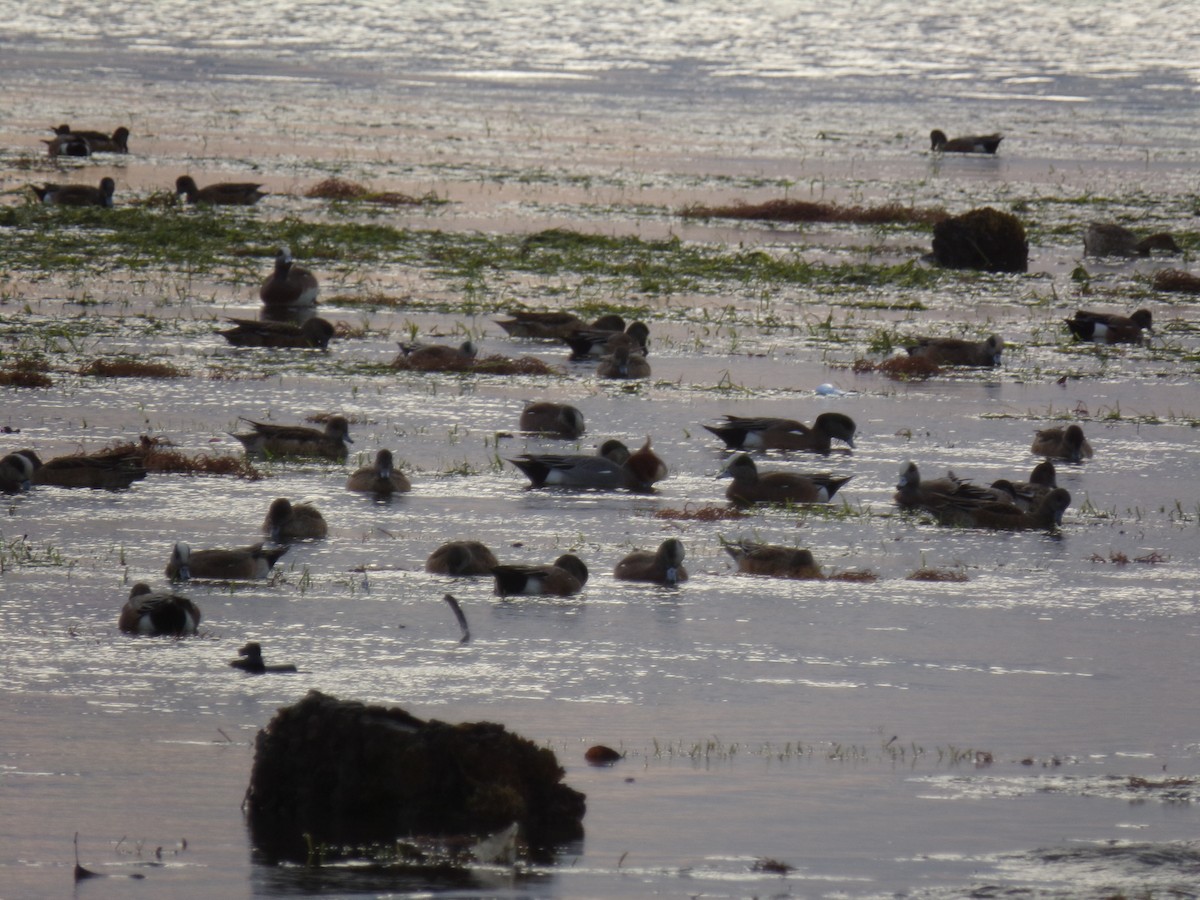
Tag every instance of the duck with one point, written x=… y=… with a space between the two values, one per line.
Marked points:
x=380 y=478
x=606 y=470
x=1110 y=328
x=77 y=194
x=286 y=521
x=1028 y=494
x=1062 y=443
x=460 y=558
x=566 y=576
x=250 y=660
x=753 y=558
x=554 y=325
x=312 y=333
x=662 y=566
x=298 y=440
x=437 y=357
x=750 y=486
x=105 y=470
x=958 y=352
x=241 y=564
x=67 y=145
x=289 y=285
x=558 y=420
x=158 y=613
x=769 y=433
x=914 y=493
x=586 y=343
x=623 y=363
x=1002 y=516
x=223 y=193
x=644 y=468
x=17 y=470
x=1110 y=239
x=97 y=141
x=984 y=143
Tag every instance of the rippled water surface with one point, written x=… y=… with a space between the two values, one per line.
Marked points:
x=1033 y=727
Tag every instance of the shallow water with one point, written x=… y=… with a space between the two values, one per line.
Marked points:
x=831 y=725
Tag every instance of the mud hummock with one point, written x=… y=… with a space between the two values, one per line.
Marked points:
x=341 y=775
x=984 y=239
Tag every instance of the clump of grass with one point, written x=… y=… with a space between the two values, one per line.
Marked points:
x=156 y=455
x=863 y=576
x=341 y=189
x=125 y=367
x=806 y=211
x=900 y=368
x=775 y=866
x=701 y=514
x=1177 y=281
x=28 y=371
x=928 y=573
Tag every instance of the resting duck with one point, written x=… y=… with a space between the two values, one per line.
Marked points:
x=750 y=486
x=957 y=352
x=286 y=521
x=1109 y=328
x=250 y=659
x=17 y=470
x=1027 y=495
x=226 y=193
x=158 y=613
x=767 y=433
x=289 y=285
x=1110 y=239
x=460 y=558
x=380 y=478
x=753 y=558
x=77 y=194
x=566 y=576
x=555 y=325
x=437 y=357
x=662 y=566
x=998 y=515
x=984 y=143
x=591 y=342
x=312 y=333
x=559 y=420
x=914 y=493
x=298 y=440
x=1062 y=443
x=105 y=470
x=240 y=564
x=623 y=363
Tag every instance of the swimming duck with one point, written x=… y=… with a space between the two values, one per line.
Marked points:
x=380 y=478
x=286 y=521
x=586 y=343
x=767 y=433
x=985 y=143
x=644 y=467
x=749 y=486
x=98 y=141
x=662 y=566
x=1109 y=328
x=298 y=440
x=566 y=576
x=16 y=471
x=1110 y=239
x=559 y=420
x=67 y=145
x=77 y=194
x=250 y=659
x=957 y=352
x=1062 y=443
x=240 y=564
x=227 y=193
x=914 y=493
x=437 y=357
x=753 y=558
x=552 y=325
x=623 y=363
x=157 y=613
x=312 y=333
x=1027 y=495
x=605 y=470
x=105 y=470
x=461 y=558
x=998 y=515
x=289 y=285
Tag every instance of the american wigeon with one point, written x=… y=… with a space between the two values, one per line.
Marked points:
x=768 y=433
x=914 y=493
x=223 y=193
x=645 y=468
x=772 y=560
x=1062 y=443
x=623 y=363
x=239 y=564
x=1027 y=495
x=380 y=478
x=77 y=194
x=67 y=145
x=566 y=576
x=604 y=471
x=287 y=521
x=1110 y=328
x=98 y=141
x=999 y=515
x=250 y=659
x=553 y=325
x=298 y=440
x=983 y=143
x=662 y=566
x=461 y=558
x=559 y=420
x=437 y=357
x=104 y=470
x=586 y=343
x=750 y=486
x=312 y=333
x=1110 y=239
x=289 y=285
x=957 y=352
x=16 y=471
x=157 y=613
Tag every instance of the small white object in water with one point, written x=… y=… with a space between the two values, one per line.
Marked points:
x=829 y=390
